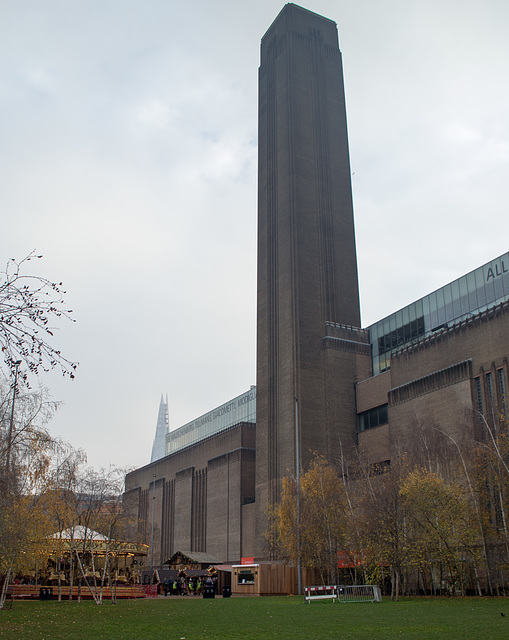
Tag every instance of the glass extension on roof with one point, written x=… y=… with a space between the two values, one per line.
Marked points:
x=240 y=409
x=474 y=292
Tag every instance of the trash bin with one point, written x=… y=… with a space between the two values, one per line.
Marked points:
x=227 y=592
x=46 y=593
x=208 y=592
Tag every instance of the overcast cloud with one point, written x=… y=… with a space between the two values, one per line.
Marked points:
x=128 y=158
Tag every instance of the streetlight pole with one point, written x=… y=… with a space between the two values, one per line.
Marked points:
x=297 y=460
x=11 y=422
x=152 y=538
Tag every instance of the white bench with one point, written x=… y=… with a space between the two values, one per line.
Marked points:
x=320 y=593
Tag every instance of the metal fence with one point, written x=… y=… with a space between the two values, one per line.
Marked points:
x=344 y=593
x=359 y=593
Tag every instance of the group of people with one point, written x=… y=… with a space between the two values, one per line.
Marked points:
x=184 y=586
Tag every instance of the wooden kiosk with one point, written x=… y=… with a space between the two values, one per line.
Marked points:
x=266 y=579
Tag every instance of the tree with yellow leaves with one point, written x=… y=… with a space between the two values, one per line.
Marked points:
x=28 y=459
x=321 y=532
x=444 y=538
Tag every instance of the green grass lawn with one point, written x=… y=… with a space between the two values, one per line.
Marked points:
x=245 y=618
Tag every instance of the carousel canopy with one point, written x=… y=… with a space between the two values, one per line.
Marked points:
x=98 y=543
x=79 y=533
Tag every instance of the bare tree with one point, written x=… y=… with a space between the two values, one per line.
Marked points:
x=100 y=520
x=30 y=474
x=28 y=305
x=28 y=452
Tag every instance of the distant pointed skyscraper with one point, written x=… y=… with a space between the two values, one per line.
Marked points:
x=159 y=448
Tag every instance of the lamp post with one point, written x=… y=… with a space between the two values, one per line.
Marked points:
x=297 y=473
x=152 y=537
x=11 y=422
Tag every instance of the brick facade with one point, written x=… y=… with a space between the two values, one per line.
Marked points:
x=314 y=362
x=202 y=493
x=434 y=383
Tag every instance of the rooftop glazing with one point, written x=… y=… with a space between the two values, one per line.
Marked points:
x=240 y=409
x=474 y=292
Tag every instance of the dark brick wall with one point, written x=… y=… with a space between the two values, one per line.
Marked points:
x=431 y=384
x=307 y=269
x=199 y=493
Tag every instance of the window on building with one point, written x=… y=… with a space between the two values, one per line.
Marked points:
x=502 y=391
x=489 y=388
x=478 y=394
x=246 y=576
x=401 y=335
x=373 y=417
x=378 y=468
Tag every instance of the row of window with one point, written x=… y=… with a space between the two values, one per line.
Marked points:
x=240 y=409
x=491 y=404
x=495 y=402
x=474 y=292
x=373 y=417
x=401 y=335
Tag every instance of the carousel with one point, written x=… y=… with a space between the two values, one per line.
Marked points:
x=84 y=563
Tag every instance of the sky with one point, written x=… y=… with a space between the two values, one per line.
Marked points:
x=128 y=159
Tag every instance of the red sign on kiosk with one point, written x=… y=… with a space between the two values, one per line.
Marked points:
x=247 y=561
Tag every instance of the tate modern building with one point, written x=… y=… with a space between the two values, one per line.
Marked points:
x=442 y=359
